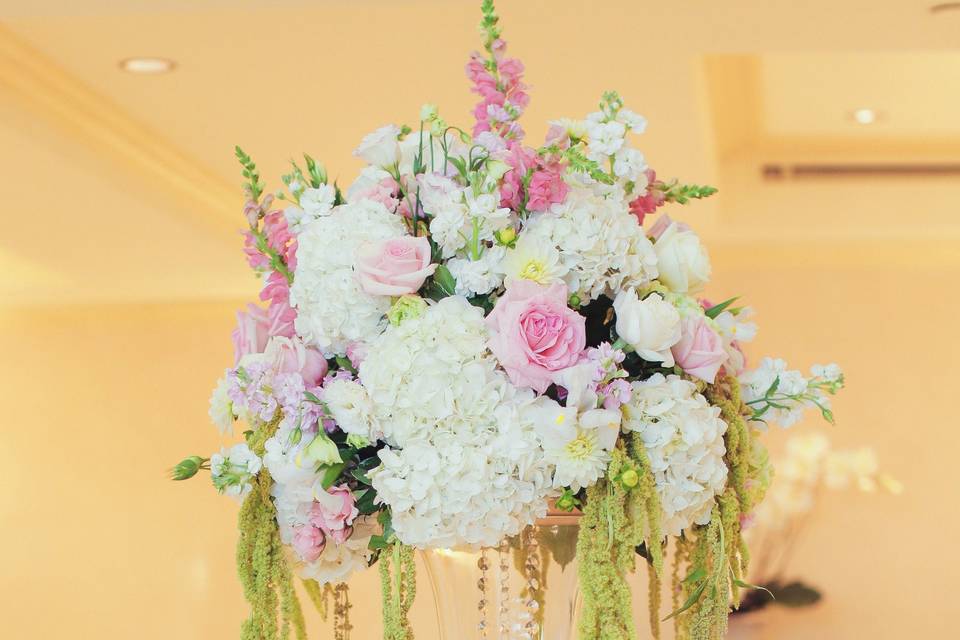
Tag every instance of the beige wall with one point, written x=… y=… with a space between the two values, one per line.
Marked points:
x=101 y=400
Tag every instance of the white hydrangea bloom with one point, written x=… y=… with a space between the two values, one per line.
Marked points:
x=463 y=465
x=332 y=309
x=601 y=244
x=314 y=203
x=683 y=437
x=478 y=276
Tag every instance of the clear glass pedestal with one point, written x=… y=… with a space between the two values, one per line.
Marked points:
x=464 y=612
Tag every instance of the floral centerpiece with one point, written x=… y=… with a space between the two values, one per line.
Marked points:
x=477 y=327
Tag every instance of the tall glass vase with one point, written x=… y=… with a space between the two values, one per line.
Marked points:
x=525 y=590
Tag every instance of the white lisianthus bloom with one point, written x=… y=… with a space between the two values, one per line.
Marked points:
x=233 y=470
x=381 y=148
x=651 y=326
x=478 y=277
x=533 y=258
x=221 y=408
x=682 y=259
x=333 y=310
x=683 y=436
x=351 y=408
x=829 y=372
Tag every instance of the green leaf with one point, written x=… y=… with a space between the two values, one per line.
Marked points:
x=360 y=475
x=366 y=502
x=696 y=575
x=444 y=282
x=312 y=398
x=747 y=585
x=331 y=473
x=717 y=309
x=692 y=600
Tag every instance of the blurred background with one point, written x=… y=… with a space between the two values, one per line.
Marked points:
x=830 y=127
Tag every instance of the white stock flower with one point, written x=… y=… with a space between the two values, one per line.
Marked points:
x=629 y=164
x=829 y=372
x=533 y=258
x=332 y=308
x=606 y=138
x=790 y=382
x=633 y=121
x=233 y=470
x=682 y=260
x=380 y=148
x=683 y=436
x=651 y=326
x=318 y=201
x=221 y=408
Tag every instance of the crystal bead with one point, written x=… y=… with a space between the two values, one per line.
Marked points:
x=533 y=583
x=483 y=564
x=482 y=626
x=533 y=605
x=482 y=605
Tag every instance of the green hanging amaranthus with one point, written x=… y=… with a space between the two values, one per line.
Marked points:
x=622 y=511
x=715 y=555
x=264 y=573
x=398 y=586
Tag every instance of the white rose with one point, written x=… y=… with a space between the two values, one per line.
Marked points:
x=682 y=260
x=381 y=147
x=651 y=326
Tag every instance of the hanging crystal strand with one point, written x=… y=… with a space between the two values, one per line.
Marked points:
x=483 y=564
x=341 y=612
x=532 y=573
x=503 y=598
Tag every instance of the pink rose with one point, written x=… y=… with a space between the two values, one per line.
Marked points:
x=535 y=334
x=252 y=332
x=700 y=351
x=546 y=188
x=394 y=267
x=334 y=511
x=290 y=355
x=308 y=542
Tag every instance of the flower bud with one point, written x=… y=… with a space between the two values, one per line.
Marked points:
x=406 y=306
x=322 y=450
x=357 y=441
x=428 y=112
x=630 y=478
x=187 y=468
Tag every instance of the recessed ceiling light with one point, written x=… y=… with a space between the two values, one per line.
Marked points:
x=944 y=7
x=864 y=116
x=147 y=65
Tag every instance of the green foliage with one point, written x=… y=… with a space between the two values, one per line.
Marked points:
x=440 y=285
x=683 y=193
x=253 y=185
x=188 y=467
x=717 y=309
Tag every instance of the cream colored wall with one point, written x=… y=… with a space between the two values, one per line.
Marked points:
x=99 y=401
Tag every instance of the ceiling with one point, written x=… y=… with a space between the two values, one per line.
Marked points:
x=123 y=187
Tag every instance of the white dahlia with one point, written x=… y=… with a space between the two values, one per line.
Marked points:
x=683 y=437
x=332 y=308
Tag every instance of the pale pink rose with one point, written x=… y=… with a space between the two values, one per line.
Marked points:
x=290 y=355
x=535 y=334
x=357 y=353
x=663 y=224
x=308 y=542
x=334 y=511
x=394 y=267
x=700 y=351
x=252 y=332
